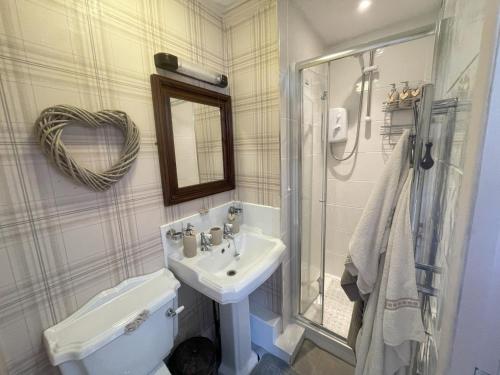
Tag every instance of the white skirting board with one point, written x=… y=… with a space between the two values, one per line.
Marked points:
x=266 y=332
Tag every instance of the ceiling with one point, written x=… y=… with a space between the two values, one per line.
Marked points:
x=226 y=3
x=221 y=6
x=338 y=20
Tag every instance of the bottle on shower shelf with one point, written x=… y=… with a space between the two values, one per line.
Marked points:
x=392 y=98
x=415 y=93
x=405 y=96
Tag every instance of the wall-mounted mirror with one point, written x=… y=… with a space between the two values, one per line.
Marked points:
x=198 y=142
x=195 y=140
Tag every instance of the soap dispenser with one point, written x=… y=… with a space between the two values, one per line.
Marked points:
x=405 y=95
x=415 y=93
x=392 y=97
x=189 y=241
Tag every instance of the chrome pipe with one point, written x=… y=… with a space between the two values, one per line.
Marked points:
x=370 y=86
x=324 y=193
x=406 y=36
x=422 y=131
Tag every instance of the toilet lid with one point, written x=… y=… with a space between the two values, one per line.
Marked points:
x=105 y=316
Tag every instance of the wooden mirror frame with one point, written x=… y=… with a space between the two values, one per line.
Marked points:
x=163 y=89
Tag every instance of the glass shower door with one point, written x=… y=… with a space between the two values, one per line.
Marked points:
x=314 y=86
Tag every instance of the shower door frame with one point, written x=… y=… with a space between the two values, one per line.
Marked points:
x=314 y=331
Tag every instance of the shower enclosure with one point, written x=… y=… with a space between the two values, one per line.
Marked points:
x=334 y=180
x=328 y=195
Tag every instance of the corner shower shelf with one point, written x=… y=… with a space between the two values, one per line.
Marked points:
x=396 y=106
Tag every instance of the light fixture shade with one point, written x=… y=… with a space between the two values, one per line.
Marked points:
x=172 y=63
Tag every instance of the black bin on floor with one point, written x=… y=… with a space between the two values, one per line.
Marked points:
x=195 y=356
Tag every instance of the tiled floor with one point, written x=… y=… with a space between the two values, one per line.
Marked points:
x=271 y=365
x=312 y=360
x=338 y=308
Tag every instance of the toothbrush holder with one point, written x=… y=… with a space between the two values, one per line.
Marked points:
x=216 y=233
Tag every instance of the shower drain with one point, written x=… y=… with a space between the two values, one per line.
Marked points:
x=231 y=273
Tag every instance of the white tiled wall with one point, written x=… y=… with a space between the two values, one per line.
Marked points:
x=350 y=182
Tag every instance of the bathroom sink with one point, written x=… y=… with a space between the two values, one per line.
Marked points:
x=229 y=272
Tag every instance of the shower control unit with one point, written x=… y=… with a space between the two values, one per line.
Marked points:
x=337 y=125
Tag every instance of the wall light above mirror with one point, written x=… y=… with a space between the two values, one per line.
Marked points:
x=195 y=140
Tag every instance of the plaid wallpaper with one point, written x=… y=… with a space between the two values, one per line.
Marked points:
x=60 y=243
x=252 y=49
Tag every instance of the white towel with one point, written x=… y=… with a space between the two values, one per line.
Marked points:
x=392 y=319
x=370 y=237
x=402 y=314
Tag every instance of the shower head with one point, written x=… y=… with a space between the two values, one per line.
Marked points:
x=324 y=95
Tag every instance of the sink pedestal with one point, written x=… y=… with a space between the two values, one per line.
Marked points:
x=237 y=355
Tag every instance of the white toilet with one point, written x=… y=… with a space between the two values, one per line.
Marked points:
x=128 y=329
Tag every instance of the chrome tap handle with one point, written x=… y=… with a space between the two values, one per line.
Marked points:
x=235 y=210
x=173 y=235
x=205 y=241
x=189 y=229
x=206 y=238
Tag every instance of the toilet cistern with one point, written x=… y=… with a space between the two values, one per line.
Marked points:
x=128 y=329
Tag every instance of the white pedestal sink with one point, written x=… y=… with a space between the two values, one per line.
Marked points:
x=237 y=354
x=228 y=273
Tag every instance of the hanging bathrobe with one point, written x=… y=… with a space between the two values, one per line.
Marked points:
x=381 y=256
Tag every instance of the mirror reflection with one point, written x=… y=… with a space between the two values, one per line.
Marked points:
x=198 y=142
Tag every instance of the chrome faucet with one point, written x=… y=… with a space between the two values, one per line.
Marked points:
x=228 y=231
x=228 y=234
x=205 y=241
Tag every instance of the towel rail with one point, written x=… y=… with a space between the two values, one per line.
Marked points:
x=428 y=267
x=427 y=290
x=441 y=106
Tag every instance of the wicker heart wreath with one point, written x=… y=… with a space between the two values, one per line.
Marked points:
x=48 y=130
